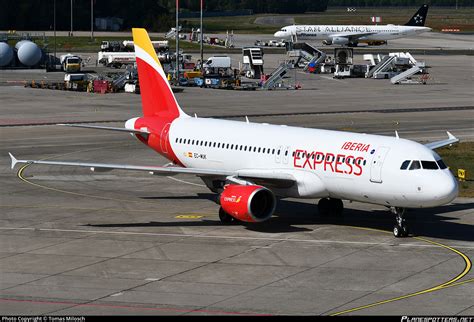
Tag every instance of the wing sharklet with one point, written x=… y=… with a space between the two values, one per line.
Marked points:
x=438 y=144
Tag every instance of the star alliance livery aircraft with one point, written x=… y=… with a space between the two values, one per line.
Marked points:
x=351 y=35
x=249 y=164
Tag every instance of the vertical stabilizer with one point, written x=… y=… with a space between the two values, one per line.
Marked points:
x=419 y=18
x=157 y=97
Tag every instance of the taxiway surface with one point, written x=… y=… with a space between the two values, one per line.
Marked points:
x=77 y=242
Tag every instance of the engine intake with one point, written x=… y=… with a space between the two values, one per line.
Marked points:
x=248 y=203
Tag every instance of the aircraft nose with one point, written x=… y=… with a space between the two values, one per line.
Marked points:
x=277 y=34
x=447 y=190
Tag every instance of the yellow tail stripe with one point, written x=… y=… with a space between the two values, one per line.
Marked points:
x=142 y=40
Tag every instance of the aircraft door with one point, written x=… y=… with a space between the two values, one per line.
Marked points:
x=285 y=155
x=164 y=137
x=278 y=153
x=377 y=163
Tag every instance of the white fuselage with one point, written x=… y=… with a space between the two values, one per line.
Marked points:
x=360 y=32
x=336 y=164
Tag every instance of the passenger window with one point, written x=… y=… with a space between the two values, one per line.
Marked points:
x=176 y=140
x=429 y=165
x=254 y=149
x=441 y=164
x=286 y=153
x=259 y=150
x=214 y=145
x=273 y=151
x=263 y=150
x=415 y=165
x=404 y=165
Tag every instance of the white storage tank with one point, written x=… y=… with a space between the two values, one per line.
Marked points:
x=6 y=54
x=29 y=53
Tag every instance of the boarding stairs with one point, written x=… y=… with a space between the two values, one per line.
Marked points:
x=381 y=67
x=304 y=51
x=172 y=33
x=406 y=74
x=276 y=76
x=129 y=74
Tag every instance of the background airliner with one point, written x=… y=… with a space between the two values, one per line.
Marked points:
x=353 y=34
x=249 y=164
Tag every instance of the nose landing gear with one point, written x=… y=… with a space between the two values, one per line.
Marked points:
x=400 y=229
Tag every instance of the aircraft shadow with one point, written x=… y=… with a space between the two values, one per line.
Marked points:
x=291 y=215
x=198 y=196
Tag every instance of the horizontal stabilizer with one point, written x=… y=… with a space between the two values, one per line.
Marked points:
x=120 y=129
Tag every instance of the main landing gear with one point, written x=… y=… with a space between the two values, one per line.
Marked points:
x=330 y=207
x=400 y=229
x=225 y=217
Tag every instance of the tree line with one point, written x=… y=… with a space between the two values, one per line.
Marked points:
x=158 y=15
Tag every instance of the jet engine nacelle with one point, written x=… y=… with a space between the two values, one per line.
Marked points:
x=248 y=203
x=339 y=41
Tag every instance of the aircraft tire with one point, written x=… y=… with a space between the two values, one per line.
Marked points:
x=400 y=231
x=225 y=217
x=337 y=207
x=324 y=207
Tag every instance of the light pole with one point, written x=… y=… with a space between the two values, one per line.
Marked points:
x=71 y=18
x=202 y=52
x=177 y=41
x=54 y=26
x=92 y=20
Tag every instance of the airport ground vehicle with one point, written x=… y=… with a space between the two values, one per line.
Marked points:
x=249 y=165
x=218 y=61
x=70 y=63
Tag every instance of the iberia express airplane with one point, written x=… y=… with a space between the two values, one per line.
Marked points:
x=248 y=164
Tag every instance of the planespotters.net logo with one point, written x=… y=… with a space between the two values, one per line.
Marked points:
x=437 y=319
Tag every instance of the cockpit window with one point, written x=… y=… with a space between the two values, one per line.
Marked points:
x=429 y=165
x=405 y=164
x=441 y=164
x=415 y=165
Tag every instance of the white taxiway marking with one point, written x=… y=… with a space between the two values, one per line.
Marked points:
x=186 y=182
x=322 y=241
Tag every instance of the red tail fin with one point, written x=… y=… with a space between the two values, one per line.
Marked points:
x=157 y=97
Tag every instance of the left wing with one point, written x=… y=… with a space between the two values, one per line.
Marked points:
x=277 y=177
x=352 y=36
x=438 y=144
